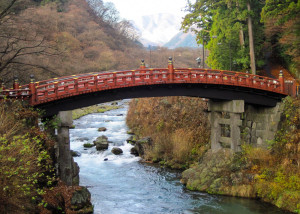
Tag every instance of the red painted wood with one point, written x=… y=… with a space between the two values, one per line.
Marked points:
x=58 y=88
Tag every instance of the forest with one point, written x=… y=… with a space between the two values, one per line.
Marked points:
x=247 y=35
x=56 y=38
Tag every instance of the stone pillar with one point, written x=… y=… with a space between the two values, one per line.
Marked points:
x=235 y=131
x=233 y=111
x=215 y=131
x=64 y=157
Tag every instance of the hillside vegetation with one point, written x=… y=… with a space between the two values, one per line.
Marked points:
x=177 y=125
x=26 y=160
x=57 y=38
x=245 y=35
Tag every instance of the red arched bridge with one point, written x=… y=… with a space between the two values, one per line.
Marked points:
x=76 y=91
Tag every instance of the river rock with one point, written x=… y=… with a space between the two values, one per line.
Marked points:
x=81 y=200
x=88 y=145
x=133 y=151
x=141 y=144
x=117 y=151
x=119 y=114
x=83 y=139
x=102 y=129
x=75 y=153
x=114 y=103
x=101 y=143
x=131 y=140
x=130 y=132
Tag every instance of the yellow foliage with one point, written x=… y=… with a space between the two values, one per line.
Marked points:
x=178 y=126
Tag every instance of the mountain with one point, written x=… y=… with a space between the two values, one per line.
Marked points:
x=182 y=39
x=157 y=29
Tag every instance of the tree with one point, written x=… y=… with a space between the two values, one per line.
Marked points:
x=251 y=42
x=106 y=11
x=226 y=19
x=20 y=43
x=282 y=22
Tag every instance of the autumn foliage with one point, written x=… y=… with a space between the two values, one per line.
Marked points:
x=178 y=126
x=26 y=155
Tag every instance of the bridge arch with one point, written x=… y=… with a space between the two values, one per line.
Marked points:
x=213 y=92
x=76 y=91
x=228 y=91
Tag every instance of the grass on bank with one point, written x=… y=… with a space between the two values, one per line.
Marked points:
x=178 y=126
x=76 y=114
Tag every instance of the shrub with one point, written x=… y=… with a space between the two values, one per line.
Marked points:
x=25 y=160
x=178 y=126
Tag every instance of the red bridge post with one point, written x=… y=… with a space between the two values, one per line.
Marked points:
x=281 y=81
x=32 y=89
x=16 y=84
x=171 y=69
x=142 y=66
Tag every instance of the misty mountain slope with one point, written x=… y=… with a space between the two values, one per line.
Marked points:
x=158 y=28
x=183 y=40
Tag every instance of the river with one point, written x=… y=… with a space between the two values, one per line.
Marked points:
x=124 y=185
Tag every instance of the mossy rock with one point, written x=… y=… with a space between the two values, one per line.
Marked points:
x=117 y=151
x=130 y=132
x=75 y=153
x=88 y=145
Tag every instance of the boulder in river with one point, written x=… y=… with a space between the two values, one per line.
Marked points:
x=117 y=151
x=102 y=129
x=101 y=143
x=75 y=153
x=133 y=151
x=88 y=145
x=120 y=114
x=81 y=201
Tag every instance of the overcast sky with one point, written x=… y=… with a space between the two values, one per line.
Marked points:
x=133 y=9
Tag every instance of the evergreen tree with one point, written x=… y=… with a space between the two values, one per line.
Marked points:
x=228 y=20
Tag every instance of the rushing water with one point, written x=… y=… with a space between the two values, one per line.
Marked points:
x=123 y=185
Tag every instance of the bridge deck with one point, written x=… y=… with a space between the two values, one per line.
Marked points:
x=49 y=91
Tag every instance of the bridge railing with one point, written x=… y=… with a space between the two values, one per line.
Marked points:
x=58 y=88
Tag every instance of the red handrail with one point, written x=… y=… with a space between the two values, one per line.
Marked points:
x=58 y=88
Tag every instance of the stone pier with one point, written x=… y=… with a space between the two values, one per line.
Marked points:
x=234 y=122
x=64 y=158
x=225 y=119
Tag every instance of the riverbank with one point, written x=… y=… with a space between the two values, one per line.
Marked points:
x=101 y=108
x=125 y=184
x=28 y=179
x=270 y=174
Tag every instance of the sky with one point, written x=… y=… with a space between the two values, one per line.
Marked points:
x=156 y=31
x=134 y=9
